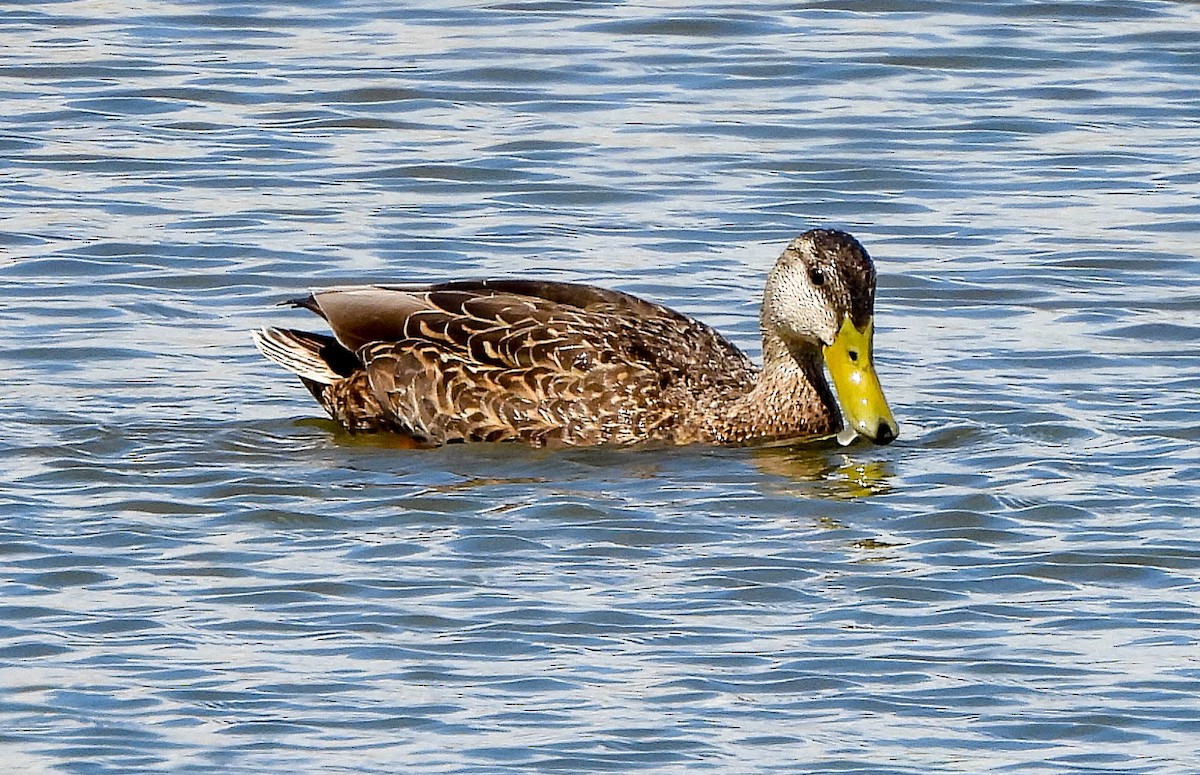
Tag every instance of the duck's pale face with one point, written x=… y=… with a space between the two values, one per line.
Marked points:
x=821 y=295
x=806 y=296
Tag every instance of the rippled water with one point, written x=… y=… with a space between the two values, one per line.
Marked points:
x=201 y=575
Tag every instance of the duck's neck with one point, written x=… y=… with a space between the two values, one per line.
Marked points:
x=790 y=400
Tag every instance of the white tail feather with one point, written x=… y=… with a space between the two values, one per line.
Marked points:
x=299 y=356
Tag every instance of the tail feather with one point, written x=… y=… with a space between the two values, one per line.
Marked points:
x=313 y=357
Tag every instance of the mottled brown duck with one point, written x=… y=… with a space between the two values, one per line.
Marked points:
x=553 y=363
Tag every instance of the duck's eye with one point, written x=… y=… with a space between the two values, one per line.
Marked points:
x=816 y=275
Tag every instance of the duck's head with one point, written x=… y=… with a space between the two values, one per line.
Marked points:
x=820 y=297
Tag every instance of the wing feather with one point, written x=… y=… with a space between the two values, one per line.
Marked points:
x=545 y=362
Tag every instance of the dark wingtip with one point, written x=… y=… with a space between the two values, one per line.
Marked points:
x=308 y=302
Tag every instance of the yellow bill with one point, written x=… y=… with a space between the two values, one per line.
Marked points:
x=849 y=360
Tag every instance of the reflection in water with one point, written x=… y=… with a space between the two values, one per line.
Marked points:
x=821 y=472
x=341 y=436
x=818 y=469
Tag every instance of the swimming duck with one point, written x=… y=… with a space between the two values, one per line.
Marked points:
x=555 y=363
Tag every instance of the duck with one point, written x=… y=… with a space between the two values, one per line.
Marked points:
x=560 y=364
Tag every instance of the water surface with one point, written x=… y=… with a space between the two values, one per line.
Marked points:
x=201 y=575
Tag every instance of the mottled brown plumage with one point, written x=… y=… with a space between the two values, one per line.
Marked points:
x=549 y=363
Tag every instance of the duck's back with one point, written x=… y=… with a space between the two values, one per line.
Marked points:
x=542 y=362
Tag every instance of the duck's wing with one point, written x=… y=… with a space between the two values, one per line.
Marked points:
x=543 y=361
x=437 y=396
x=525 y=322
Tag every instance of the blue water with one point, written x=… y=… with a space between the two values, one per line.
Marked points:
x=202 y=575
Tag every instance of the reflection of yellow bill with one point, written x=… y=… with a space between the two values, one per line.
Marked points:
x=850 y=364
x=812 y=471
